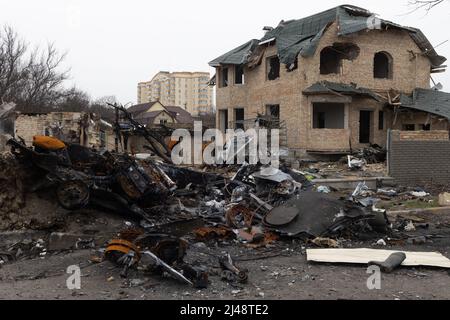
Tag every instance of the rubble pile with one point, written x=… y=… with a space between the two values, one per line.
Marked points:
x=255 y=206
x=12 y=198
x=168 y=209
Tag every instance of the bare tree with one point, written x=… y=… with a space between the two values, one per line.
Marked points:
x=425 y=4
x=13 y=68
x=73 y=100
x=101 y=107
x=30 y=78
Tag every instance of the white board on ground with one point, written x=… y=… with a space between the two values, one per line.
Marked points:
x=364 y=256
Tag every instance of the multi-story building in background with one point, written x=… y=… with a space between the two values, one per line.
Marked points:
x=188 y=90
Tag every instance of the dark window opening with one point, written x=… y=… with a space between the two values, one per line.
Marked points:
x=409 y=127
x=239 y=74
x=426 y=127
x=223 y=120
x=239 y=117
x=382 y=66
x=273 y=110
x=321 y=120
x=365 y=119
x=224 y=77
x=328 y=116
x=273 y=65
x=380 y=120
x=330 y=61
x=331 y=57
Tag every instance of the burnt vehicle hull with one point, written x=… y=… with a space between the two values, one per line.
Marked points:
x=82 y=177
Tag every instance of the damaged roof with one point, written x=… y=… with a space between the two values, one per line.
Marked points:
x=326 y=87
x=302 y=36
x=140 y=113
x=140 y=108
x=428 y=100
x=236 y=56
x=180 y=114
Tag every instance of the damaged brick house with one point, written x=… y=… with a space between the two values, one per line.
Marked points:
x=82 y=128
x=337 y=80
x=155 y=116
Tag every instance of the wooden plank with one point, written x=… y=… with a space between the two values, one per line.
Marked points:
x=364 y=256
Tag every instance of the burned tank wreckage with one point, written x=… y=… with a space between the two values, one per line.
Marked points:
x=254 y=204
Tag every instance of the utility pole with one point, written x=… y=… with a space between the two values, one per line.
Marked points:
x=117 y=129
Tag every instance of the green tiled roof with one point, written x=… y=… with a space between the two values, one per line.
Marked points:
x=427 y=100
x=325 y=87
x=301 y=36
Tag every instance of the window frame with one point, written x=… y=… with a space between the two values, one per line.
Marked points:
x=269 y=67
x=390 y=61
x=242 y=77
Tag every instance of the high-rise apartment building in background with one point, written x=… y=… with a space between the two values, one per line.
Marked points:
x=188 y=90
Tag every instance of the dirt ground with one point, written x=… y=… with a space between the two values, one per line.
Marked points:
x=288 y=276
x=279 y=271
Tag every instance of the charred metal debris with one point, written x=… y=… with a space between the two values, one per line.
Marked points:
x=251 y=205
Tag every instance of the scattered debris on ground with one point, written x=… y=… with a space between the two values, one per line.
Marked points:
x=174 y=222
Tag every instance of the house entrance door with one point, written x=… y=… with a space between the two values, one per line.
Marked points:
x=365 y=118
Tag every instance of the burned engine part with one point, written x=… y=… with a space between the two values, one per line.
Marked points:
x=198 y=276
x=123 y=253
x=170 y=249
x=239 y=213
x=73 y=195
x=184 y=176
x=231 y=272
x=166 y=268
x=112 y=182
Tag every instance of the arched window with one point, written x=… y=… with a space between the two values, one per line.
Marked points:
x=382 y=66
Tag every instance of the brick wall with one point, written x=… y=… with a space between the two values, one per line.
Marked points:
x=27 y=126
x=419 y=158
x=435 y=135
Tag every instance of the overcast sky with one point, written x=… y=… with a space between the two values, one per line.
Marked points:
x=114 y=44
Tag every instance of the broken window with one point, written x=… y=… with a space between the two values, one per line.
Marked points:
x=273 y=67
x=239 y=74
x=330 y=61
x=328 y=116
x=382 y=66
x=273 y=110
x=331 y=57
x=409 y=127
x=239 y=117
x=223 y=77
x=380 y=120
